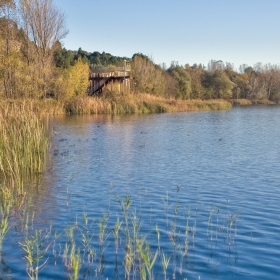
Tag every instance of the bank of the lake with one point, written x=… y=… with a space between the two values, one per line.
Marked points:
x=140 y=103
x=118 y=104
x=246 y=102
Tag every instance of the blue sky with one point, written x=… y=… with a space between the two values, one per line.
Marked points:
x=187 y=31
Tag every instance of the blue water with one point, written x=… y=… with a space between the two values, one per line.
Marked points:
x=220 y=169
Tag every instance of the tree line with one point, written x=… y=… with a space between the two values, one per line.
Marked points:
x=218 y=80
x=33 y=64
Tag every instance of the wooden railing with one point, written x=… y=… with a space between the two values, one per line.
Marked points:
x=111 y=74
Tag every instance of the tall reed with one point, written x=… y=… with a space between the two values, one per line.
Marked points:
x=35 y=248
x=23 y=143
x=119 y=103
x=6 y=200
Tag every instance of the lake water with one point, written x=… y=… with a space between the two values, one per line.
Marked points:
x=217 y=172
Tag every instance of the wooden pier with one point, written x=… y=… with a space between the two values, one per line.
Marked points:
x=99 y=80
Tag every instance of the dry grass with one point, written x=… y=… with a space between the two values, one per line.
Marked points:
x=112 y=103
x=117 y=103
x=38 y=106
x=241 y=102
x=263 y=102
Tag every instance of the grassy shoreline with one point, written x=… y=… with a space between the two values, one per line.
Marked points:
x=246 y=102
x=140 y=103
x=127 y=104
x=118 y=104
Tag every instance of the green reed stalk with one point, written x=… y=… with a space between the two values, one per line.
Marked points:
x=87 y=238
x=129 y=259
x=35 y=250
x=148 y=260
x=23 y=143
x=116 y=234
x=165 y=262
x=6 y=200
x=102 y=229
x=75 y=259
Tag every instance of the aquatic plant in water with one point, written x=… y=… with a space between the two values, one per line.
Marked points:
x=35 y=247
x=84 y=246
x=23 y=144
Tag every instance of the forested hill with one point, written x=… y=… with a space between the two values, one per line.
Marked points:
x=66 y=58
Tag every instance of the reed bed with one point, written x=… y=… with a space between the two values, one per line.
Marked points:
x=118 y=103
x=23 y=143
x=245 y=102
x=38 y=106
x=241 y=102
x=263 y=102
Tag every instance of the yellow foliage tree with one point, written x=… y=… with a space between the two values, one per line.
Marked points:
x=71 y=82
x=80 y=75
x=149 y=77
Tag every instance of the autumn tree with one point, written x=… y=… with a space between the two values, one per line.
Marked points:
x=44 y=25
x=241 y=87
x=170 y=86
x=269 y=76
x=196 y=73
x=9 y=48
x=149 y=77
x=72 y=81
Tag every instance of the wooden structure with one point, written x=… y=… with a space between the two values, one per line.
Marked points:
x=100 y=80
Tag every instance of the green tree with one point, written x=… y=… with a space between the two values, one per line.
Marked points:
x=64 y=58
x=222 y=85
x=183 y=79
